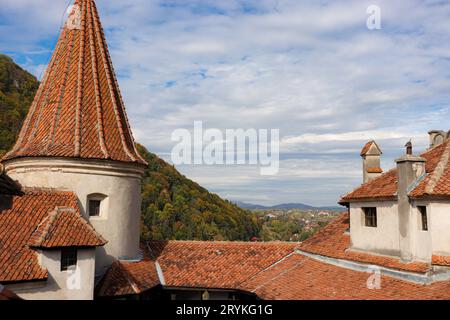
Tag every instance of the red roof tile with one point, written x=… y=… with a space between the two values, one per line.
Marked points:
x=436 y=183
x=301 y=278
x=195 y=264
x=215 y=264
x=129 y=278
x=270 y=270
x=64 y=227
x=21 y=216
x=78 y=111
x=440 y=260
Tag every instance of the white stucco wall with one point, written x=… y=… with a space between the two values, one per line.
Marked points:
x=384 y=239
x=62 y=285
x=120 y=183
x=439 y=225
x=422 y=244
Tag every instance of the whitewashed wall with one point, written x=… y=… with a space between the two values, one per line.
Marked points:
x=62 y=285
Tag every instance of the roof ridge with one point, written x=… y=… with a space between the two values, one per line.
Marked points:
x=47 y=222
x=267 y=268
x=439 y=170
x=127 y=276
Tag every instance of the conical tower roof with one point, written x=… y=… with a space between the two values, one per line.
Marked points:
x=78 y=111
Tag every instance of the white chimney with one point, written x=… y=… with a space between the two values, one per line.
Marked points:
x=410 y=169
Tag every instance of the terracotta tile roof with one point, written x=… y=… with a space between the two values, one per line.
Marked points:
x=270 y=270
x=441 y=260
x=64 y=227
x=129 y=278
x=215 y=264
x=436 y=183
x=20 y=217
x=195 y=264
x=301 y=278
x=333 y=241
x=78 y=111
x=287 y=274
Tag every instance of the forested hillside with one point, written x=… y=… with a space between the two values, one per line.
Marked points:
x=173 y=206
x=17 y=90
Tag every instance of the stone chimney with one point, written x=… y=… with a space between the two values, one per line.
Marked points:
x=410 y=170
x=370 y=155
x=437 y=137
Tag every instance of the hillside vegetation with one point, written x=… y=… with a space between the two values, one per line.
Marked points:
x=17 y=90
x=175 y=207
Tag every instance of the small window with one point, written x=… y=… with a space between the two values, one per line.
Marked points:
x=94 y=208
x=423 y=217
x=370 y=217
x=68 y=259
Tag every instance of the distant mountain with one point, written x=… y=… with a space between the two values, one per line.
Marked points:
x=286 y=206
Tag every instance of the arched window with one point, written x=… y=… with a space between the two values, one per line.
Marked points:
x=96 y=205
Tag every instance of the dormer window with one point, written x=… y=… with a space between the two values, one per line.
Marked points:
x=96 y=205
x=68 y=259
x=370 y=217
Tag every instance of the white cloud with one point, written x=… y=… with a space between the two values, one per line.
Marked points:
x=309 y=68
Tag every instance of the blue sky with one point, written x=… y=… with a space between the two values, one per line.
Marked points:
x=309 y=68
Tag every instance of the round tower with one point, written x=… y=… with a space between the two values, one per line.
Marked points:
x=76 y=137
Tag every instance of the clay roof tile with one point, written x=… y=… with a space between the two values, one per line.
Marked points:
x=78 y=110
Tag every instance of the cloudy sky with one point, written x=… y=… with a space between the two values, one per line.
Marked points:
x=311 y=69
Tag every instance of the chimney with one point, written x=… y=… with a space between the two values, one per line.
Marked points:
x=410 y=169
x=370 y=155
x=437 y=137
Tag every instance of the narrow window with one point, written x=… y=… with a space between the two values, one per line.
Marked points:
x=370 y=216
x=94 y=208
x=423 y=217
x=68 y=259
